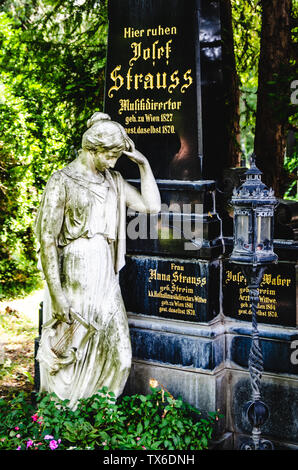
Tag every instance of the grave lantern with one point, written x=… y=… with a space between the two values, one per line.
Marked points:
x=254 y=206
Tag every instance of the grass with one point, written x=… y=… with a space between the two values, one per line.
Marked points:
x=17 y=334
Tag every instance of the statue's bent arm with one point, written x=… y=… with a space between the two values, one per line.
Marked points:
x=149 y=198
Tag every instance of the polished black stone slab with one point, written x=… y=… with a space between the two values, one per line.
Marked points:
x=187 y=226
x=277 y=293
x=184 y=350
x=187 y=290
x=164 y=83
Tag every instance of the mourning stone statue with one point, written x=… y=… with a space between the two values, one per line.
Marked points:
x=81 y=231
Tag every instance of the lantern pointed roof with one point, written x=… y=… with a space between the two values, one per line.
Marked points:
x=253 y=170
x=253 y=189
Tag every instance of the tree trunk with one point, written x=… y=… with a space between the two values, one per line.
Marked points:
x=231 y=84
x=273 y=92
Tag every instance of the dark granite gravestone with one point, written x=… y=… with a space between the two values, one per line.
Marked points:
x=163 y=75
x=164 y=84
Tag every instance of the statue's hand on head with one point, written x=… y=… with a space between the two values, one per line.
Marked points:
x=135 y=156
x=61 y=309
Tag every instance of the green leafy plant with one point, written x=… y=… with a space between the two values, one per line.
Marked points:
x=156 y=421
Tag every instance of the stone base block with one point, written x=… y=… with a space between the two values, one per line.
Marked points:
x=281 y=396
x=239 y=439
x=186 y=362
x=202 y=390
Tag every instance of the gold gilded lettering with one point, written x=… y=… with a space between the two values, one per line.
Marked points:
x=146 y=54
x=188 y=78
x=128 y=79
x=177 y=268
x=131 y=32
x=138 y=78
x=175 y=80
x=136 y=47
x=160 y=31
x=149 y=81
x=117 y=79
x=152 y=274
x=158 y=81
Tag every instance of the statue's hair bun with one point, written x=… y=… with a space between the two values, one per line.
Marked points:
x=97 y=117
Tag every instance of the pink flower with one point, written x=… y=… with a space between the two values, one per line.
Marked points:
x=18 y=448
x=29 y=443
x=18 y=436
x=144 y=447
x=53 y=444
x=48 y=437
x=34 y=417
x=17 y=428
x=138 y=438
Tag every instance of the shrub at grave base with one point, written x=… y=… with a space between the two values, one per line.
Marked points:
x=153 y=422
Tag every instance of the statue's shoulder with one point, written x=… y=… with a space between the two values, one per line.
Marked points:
x=56 y=176
x=55 y=183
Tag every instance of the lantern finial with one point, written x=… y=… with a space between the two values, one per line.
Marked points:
x=252 y=159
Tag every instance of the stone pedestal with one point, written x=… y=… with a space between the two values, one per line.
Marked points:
x=186 y=358
x=279 y=385
x=164 y=84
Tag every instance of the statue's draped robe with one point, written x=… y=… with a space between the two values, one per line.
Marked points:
x=91 y=251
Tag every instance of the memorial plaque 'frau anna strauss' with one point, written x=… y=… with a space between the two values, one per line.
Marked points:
x=151 y=81
x=172 y=288
x=277 y=295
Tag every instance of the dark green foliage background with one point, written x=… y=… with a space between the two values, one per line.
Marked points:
x=52 y=60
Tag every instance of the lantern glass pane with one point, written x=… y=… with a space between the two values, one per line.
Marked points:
x=263 y=230
x=242 y=229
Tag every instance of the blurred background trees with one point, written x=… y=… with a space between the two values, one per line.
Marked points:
x=52 y=60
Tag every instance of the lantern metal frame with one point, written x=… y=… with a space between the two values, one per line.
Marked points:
x=254 y=203
x=254 y=206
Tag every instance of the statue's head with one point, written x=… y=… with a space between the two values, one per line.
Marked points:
x=105 y=134
x=106 y=140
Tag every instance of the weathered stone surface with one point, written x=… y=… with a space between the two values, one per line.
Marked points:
x=80 y=228
x=281 y=396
